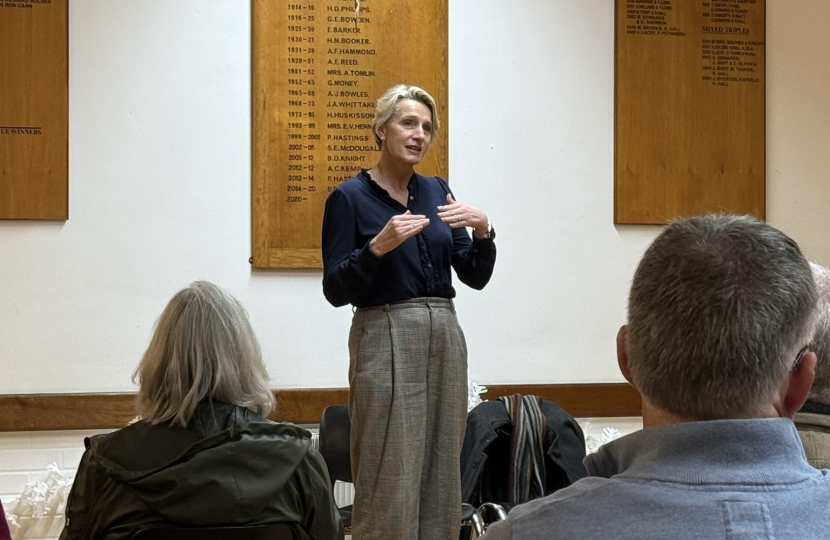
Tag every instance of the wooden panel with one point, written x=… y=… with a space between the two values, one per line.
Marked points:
x=580 y=400
x=316 y=74
x=305 y=406
x=43 y=412
x=33 y=110
x=689 y=108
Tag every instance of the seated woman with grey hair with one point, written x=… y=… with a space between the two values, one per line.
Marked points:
x=203 y=453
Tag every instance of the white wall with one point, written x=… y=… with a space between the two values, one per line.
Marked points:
x=160 y=191
x=798 y=122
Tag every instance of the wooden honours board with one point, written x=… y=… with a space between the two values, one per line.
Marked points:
x=33 y=109
x=317 y=68
x=689 y=109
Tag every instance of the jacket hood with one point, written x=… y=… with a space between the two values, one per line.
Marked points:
x=224 y=467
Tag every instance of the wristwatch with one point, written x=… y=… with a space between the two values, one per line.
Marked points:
x=489 y=235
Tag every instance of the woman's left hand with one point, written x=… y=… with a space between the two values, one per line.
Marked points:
x=459 y=215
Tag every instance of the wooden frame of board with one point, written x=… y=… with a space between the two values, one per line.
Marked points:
x=34 y=110
x=689 y=108
x=317 y=68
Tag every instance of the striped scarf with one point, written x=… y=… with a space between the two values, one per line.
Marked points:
x=526 y=478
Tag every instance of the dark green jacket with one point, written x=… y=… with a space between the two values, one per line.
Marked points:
x=228 y=467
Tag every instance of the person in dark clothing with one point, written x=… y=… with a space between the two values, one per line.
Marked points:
x=390 y=240
x=488 y=450
x=4 y=527
x=202 y=455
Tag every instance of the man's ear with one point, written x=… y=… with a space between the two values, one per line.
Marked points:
x=799 y=383
x=622 y=356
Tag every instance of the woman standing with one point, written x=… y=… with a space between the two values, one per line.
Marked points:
x=390 y=239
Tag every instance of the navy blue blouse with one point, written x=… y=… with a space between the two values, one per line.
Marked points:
x=357 y=211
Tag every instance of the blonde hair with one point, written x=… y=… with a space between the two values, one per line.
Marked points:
x=203 y=347
x=386 y=106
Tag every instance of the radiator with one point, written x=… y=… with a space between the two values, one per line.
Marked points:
x=343 y=493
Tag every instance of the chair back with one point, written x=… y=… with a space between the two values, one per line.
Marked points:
x=486 y=467
x=274 y=531
x=335 y=427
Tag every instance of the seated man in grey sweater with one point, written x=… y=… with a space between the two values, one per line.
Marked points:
x=720 y=311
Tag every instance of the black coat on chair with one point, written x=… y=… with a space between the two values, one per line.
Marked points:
x=485 y=454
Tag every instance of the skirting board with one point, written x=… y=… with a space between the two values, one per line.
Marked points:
x=46 y=412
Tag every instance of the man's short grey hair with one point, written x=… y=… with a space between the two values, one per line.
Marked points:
x=719 y=307
x=821 y=339
x=203 y=347
x=386 y=106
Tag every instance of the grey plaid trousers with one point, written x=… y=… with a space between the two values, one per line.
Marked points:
x=408 y=409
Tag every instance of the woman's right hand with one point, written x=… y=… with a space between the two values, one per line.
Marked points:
x=396 y=231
